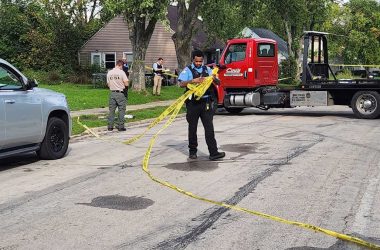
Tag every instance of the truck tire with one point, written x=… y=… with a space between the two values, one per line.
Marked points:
x=56 y=141
x=234 y=110
x=366 y=104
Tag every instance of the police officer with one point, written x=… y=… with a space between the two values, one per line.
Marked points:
x=158 y=76
x=203 y=108
x=117 y=81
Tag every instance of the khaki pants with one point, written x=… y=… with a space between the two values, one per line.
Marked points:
x=157 y=80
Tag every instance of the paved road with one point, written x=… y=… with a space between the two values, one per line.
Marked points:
x=319 y=166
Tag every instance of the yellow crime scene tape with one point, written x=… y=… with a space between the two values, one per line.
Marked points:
x=163 y=72
x=358 y=65
x=171 y=112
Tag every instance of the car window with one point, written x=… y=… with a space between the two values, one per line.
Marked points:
x=9 y=80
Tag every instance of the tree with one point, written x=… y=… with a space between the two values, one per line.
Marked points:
x=187 y=12
x=357 y=22
x=46 y=34
x=225 y=19
x=289 y=18
x=221 y=19
x=141 y=17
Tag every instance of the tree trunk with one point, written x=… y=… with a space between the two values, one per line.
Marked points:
x=183 y=51
x=140 y=35
x=289 y=38
x=182 y=37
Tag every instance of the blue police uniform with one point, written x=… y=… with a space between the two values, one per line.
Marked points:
x=203 y=109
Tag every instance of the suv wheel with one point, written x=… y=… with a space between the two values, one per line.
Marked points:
x=56 y=141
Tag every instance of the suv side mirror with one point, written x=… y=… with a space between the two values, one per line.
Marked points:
x=32 y=84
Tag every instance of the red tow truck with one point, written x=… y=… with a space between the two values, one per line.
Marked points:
x=248 y=71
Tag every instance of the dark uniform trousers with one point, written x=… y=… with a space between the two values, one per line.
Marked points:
x=201 y=109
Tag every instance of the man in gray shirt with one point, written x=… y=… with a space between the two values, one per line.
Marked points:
x=117 y=81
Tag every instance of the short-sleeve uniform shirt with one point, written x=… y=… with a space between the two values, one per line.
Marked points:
x=187 y=75
x=116 y=78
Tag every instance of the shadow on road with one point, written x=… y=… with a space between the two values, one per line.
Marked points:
x=17 y=161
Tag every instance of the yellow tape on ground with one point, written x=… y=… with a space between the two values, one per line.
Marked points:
x=271 y=217
x=88 y=129
x=171 y=112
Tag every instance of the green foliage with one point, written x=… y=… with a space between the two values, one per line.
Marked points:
x=288 y=69
x=225 y=19
x=357 y=22
x=345 y=74
x=44 y=35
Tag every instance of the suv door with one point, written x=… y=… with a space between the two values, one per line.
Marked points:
x=2 y=122
x=22 y=108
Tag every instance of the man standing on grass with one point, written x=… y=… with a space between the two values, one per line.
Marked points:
x=157 y=80
x=117 y=81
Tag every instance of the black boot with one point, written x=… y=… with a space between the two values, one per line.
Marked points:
x=217 y=156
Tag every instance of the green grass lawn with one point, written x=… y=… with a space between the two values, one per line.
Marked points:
x=93 y=121
x=86 y=97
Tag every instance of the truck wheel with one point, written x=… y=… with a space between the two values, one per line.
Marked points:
x=56 y=141
x=366 y=104
x=234 y=110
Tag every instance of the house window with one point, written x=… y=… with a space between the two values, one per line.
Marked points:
x=129 y=56
x=96 y=59
x=110 y=60
x=265 y=50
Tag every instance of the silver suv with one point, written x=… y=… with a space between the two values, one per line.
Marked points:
x=31 y=118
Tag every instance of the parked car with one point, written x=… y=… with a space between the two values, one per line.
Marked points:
x=374 y=74
x=360 y=72
x=31 y=118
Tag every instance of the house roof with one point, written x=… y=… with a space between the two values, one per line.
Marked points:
x=200 y=39
x=264 y=33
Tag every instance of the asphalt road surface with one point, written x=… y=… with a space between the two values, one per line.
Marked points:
x=319 y=166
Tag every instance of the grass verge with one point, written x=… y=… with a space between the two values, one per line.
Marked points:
x=82 y=97
x=93 y=121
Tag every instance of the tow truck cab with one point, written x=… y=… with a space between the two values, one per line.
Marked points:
x=248 y=72
x=246 y=65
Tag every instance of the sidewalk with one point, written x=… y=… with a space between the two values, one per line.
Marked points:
x=103 y=111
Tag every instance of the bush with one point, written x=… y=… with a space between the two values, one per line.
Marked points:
x=288 y=69
x=54 y=77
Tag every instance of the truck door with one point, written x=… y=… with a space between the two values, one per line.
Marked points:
x=266 y=72
x=236 y=59
x=22 y=109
